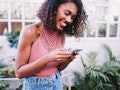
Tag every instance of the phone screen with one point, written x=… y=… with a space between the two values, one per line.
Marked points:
x=75 y=51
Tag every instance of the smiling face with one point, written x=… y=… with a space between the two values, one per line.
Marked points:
x=65 y=15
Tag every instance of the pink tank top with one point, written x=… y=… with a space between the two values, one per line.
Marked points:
x=46 y=42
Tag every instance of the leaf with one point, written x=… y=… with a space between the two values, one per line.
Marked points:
x=13 y=38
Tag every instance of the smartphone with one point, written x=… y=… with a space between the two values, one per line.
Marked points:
x=75 y=51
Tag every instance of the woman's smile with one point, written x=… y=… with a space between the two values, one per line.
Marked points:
x=65 y=14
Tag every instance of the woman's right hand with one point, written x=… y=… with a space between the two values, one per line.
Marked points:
x=58 y=55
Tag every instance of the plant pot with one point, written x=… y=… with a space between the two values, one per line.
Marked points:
x=3 y=25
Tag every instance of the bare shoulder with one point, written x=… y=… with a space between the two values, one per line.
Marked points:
x=30 y=32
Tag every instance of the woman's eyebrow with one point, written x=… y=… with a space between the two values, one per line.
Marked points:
x=70 y=12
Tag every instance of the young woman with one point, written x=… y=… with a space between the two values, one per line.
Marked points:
x=41 y=54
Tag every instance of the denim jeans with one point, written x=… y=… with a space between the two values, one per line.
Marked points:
x=52 y=82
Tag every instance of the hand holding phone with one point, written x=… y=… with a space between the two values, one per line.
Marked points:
x=76 y=51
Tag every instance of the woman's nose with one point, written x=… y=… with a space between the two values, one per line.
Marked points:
x=69 y=20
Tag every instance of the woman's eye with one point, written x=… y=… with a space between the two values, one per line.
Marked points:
x=67 y=13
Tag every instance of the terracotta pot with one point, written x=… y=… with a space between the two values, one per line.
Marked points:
x=3 y=25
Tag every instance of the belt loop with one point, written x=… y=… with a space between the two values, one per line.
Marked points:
x=59 y=73
x=56 y=76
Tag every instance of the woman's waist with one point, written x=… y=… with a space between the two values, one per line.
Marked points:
x=46 y=72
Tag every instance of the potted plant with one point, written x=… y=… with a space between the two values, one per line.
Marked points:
x=3 y=85
x=13 y=38
x=7 y=72
x=98 y=77
x=102 y=31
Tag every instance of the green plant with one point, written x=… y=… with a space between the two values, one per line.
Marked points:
x=20 y=87
x=13 y=38
x=98 y=77
x=2 y=64
x=102 y=30
x=3 y=85
x=110 y=55
x=7 y=72
x=93 y=78
x=112 y=67
x=64 y=87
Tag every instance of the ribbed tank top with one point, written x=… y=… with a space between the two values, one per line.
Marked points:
x=46 y=42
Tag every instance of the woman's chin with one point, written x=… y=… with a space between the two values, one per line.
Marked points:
x=60 y=29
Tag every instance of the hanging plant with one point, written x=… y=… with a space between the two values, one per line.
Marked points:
x=13 y=38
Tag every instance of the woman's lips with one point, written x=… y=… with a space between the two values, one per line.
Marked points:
x=62 y=25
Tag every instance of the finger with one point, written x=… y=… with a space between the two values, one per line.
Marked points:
x=65 y=53
x=75 y=53
x=71 y=58
x=70 y=49
x=59 y=59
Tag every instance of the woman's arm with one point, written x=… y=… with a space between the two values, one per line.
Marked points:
x=22 y=68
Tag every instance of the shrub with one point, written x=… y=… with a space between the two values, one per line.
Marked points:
x=99 y=77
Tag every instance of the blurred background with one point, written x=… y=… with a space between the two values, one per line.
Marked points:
x=103 y=16
x=103 y=30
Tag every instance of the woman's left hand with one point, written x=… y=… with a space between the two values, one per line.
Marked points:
x=73 y=55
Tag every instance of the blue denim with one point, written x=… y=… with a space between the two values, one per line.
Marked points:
x=52 y=82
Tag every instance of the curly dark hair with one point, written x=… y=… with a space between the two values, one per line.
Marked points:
x=47 y=15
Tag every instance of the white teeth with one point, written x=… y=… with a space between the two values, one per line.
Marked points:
x=63 y=24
